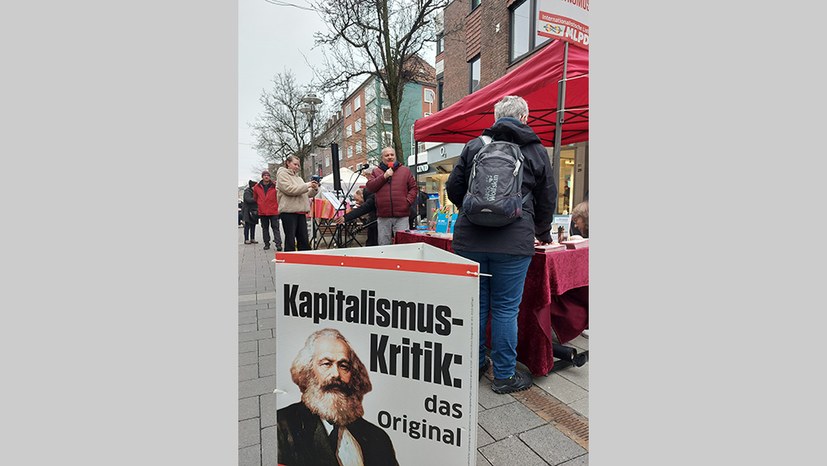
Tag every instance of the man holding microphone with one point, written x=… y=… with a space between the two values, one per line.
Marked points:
x=395 y=191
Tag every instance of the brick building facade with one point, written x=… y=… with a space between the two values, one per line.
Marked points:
x=482 y=40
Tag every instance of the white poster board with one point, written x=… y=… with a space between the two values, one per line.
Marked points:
x=410 y=314
x=566 y=20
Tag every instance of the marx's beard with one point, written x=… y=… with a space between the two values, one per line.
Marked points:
x=333 y=401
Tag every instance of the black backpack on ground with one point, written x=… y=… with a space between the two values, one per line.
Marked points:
x=494 y=196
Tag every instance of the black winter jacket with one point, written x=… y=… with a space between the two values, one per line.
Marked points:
x=518 y=237
x=250 y=204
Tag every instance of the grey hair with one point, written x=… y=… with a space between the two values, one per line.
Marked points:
x=301 y=371
x=581 y=210
x=512 y=106
x=291 y=158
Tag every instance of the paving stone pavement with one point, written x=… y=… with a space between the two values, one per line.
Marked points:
x=513 y=429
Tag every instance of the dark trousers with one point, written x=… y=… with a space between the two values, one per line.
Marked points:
x=266 y=222
x=249 y=231
x=373 y=234
x=295 y=231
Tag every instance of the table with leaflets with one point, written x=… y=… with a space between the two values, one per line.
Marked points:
x=555 y=304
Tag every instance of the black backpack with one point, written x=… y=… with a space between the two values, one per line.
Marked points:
x=494 y=196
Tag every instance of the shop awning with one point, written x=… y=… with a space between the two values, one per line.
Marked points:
x=536 y=81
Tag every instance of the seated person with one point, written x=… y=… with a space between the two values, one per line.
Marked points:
x=580 y=220
x=364 y=207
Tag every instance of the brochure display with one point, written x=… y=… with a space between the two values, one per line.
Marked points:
x=376 y=356
x=560 y=221
x=441 y=223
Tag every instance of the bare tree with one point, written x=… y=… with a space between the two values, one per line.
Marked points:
x=381 y=38
x=281 y=129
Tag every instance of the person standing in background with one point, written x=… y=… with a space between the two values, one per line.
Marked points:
x=294 y=198
x=419 y=209
x=249 y=214
x=268 y=209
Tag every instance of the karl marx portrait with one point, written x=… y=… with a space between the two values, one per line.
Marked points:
x=326 y=427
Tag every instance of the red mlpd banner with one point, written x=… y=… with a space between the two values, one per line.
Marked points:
x=566 y=20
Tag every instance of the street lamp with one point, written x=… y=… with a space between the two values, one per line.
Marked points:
x=310 y=102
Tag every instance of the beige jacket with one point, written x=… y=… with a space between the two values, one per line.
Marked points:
x=293 y=192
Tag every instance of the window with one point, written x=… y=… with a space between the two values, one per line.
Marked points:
x=370 y=92
x=474 y=4
x=357 y=125
x=372 y=144
x=520 y=29
x=370 y=118
x=387 y=117
x=358 y=147
x=348 y=111
x=474 y=78
x=524 y=34
x=387 y=139
x=349 y=151
x=326 y=161
x=357 y=102
x=348 y=131
x=439 y=88
x=440 y=43
x=429 y=96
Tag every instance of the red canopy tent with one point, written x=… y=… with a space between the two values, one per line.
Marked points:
x=536 y=81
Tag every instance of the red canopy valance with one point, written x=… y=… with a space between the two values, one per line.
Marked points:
x=536 y=81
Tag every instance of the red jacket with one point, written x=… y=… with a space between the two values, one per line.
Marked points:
x=395 y=195
x=268 y=204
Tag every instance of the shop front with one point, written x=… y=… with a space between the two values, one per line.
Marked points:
x=432 y=173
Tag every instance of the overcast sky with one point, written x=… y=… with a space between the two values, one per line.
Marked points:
x=270 y=39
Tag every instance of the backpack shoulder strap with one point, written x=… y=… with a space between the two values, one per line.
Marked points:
x=485 y=140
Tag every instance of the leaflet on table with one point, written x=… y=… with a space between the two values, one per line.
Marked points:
x=549 y=247
x=576 y=243
x=560 y=221
x=441 y=223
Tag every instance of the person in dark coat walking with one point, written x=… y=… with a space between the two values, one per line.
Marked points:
x=505 y=252
x=249 y=214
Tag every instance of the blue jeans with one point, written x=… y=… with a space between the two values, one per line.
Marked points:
x=500 y=297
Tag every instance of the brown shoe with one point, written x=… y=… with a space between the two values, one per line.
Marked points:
x=253 y=241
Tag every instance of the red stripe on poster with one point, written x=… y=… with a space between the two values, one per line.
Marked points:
x=379 y=263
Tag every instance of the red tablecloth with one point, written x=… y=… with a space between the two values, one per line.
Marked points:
x=555 y=300
x=404 y=237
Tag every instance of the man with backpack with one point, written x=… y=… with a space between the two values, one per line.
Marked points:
x=503 y=182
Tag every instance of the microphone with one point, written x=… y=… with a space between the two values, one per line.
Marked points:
x=364 y=166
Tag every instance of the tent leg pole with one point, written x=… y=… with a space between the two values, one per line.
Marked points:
x=558 y=126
